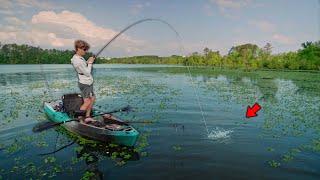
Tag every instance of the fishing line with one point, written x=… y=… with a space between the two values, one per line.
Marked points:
x=194 y=87
x=46 y=81
x=181 y=49
x=43 y=74
x=195 y=90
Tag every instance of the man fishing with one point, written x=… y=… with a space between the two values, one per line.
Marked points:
x=85 y=77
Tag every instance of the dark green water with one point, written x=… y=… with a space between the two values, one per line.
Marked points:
x=283 y=141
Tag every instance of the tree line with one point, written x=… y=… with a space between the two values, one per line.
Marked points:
x=25 y=54
x=246 y=56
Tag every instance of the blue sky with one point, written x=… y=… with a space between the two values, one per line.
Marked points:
x=216 y=24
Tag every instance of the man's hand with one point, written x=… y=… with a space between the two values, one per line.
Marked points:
x=91 y=60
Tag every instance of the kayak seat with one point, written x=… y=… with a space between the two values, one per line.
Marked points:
x=72 y=103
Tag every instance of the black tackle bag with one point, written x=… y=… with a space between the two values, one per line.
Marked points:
x=72 y=103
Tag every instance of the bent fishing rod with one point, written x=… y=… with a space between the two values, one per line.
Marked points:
x=178 y=37
x=131 y=25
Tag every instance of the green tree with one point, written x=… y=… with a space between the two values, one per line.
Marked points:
x=310 y=55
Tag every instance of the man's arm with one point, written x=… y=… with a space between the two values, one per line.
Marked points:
x=82 y=68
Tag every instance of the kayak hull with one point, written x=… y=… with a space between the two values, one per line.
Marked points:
x=126 y=136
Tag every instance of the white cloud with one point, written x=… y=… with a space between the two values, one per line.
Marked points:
x=208 y=10
x=75 y=21
x=14 y=21
x=41 y=4
x=78 y=26
x=7 y=36
x=6 y=12
x=11 y=7
x=6 y=7
x=263 y=25
x=38 y=37
x=6 y=4
x=14 y=7
x=229 y=8
x=52 y=29
x=232 y=4
x=137 y=8
x=283 y=39
x=48 y=29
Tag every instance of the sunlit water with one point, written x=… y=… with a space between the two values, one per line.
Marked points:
x=283 y=141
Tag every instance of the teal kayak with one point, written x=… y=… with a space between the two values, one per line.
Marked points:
x=112 y=132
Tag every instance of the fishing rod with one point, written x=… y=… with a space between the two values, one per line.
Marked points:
x=178 y=37
x=181 y=46
x=131 y=25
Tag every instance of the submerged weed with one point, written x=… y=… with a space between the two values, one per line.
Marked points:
x=177 y=148
x=274 y=164
x=15 y=147
x=87 y=175
x=49 y=160
x=270 y=149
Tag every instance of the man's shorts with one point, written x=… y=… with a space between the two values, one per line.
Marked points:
x=86 y=90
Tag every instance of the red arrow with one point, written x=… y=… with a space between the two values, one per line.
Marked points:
x=252 y=111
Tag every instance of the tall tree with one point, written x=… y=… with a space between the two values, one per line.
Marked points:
x=267 y=49
x=206 y=51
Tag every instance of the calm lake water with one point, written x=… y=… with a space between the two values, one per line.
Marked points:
x=196 y=124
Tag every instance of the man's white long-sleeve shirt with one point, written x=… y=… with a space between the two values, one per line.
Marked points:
x=83 y=69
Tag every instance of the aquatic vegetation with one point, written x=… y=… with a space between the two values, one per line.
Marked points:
x=142 y=142
x=42 y=144
x=87 y=175
x=291 y=112
x=13 y=148
x=120 y=163
x=75 y=160
x=177 y=147
x=78 y=149
x=289 y=109
x=287 y=157
x=49 y=160
x=114 y=155
x=144 y=154
x=61 y=84
x=274 y=163
x=316 y=145
x=270 y=149
x=36 y=85
x=30 y=170
x=130 y=90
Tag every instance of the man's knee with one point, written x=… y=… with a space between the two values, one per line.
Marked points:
x=86 y=101
x=93 y=98
x=86 y=104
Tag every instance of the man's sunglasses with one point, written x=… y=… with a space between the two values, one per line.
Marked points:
x=84 y=48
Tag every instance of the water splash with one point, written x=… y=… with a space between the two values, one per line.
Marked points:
x=219 y=134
